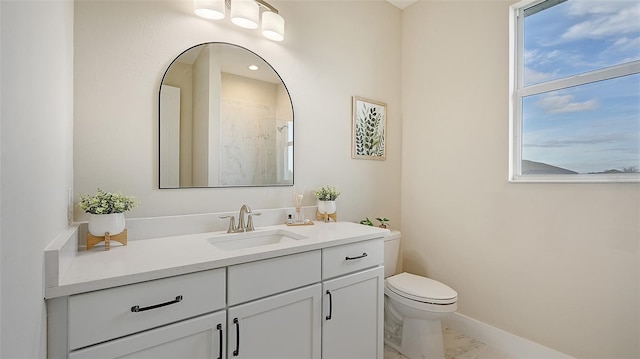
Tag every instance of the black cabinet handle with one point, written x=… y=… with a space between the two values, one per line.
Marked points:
x=328 y=317
x=358 y=257
x=237 y=323
x=136 y=308
x=219 y=327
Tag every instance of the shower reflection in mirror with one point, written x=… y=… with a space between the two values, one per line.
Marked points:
x=222 y=124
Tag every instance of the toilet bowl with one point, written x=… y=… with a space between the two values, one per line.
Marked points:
x=414 y=306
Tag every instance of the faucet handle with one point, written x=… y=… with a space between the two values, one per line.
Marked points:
x=250 y=227
x=232 y=223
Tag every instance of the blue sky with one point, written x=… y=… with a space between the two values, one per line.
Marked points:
x=590 y=128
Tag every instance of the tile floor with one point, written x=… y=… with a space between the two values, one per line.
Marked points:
x=458 y=346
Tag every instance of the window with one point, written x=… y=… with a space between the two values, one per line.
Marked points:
x=575 y=91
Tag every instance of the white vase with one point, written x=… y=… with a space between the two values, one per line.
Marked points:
x=99 y=224
x=328 y=207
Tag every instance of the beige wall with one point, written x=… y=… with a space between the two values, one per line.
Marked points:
x=554 y=263
x=36 y=163
x=123 y=48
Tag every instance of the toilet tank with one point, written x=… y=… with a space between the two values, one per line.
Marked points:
x=391 y=252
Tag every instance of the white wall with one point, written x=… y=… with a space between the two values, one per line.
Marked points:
x=123 y=48
x=36 y=163
x=554 y=263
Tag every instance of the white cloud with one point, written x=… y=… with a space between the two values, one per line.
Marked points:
x=543 y=57
x=539 y=58
x=627 y=44
x=603 y=19
x=535 y=77
x=565 y=103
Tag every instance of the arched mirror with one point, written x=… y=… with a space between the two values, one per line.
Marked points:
x=226 y=120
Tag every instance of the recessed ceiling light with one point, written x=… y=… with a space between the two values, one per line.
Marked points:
x=253 y=67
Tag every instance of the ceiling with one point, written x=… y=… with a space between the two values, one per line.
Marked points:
x=402 y=4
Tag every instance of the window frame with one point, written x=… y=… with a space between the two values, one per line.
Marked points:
x=517 y=91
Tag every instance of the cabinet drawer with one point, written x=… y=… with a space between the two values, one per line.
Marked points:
x=200 y=337
x=352 y=257
x=259 y=279
x=106 y=314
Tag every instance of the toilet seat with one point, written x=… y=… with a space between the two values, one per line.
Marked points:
x=421 y=289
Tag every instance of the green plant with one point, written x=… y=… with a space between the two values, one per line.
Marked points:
x=383 y=221
x=369 y=137
x=106 y=203
x=366 y=221
x=326 y=193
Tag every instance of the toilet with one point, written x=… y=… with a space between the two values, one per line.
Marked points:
x=413 y=308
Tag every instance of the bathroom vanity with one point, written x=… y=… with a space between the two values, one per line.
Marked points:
x=287 y=292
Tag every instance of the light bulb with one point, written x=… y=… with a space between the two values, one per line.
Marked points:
x=209 y=9
x=245 y=13
x=272 y=26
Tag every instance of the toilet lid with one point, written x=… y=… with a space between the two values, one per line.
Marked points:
x=421 y=289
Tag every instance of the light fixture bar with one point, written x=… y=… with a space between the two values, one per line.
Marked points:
x=267 y=5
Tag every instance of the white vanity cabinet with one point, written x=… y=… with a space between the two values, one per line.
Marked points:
x=325 y=302
x=139 y=319
x=353 y=301
x=283 y=325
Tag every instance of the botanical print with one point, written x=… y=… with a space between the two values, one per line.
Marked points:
x=369 y=123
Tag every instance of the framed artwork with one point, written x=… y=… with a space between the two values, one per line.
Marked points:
x=369 y=129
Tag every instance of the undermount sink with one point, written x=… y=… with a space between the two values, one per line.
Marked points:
x=233 y=241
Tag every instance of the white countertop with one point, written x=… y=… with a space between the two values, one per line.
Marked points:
x=143 y=260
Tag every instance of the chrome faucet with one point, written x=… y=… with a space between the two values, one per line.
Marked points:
x=245 y=210
x=242 y=227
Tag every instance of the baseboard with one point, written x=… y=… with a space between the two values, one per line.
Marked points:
x=501 y=340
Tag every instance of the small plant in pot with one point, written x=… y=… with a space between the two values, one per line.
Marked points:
x=366 y=221
x=326 y=199
x=383 y=222
x=106 y=211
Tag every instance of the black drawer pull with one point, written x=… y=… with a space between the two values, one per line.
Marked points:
x=136 y=308
x=358 y=257
x=219 y=327
x=328 y=317
x=237 y=351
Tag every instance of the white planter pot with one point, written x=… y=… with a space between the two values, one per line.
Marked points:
x=99 y=224
x=328 y=207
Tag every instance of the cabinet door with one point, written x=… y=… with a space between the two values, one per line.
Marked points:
x=201 y=337
x=282 y=326
x=353 y=317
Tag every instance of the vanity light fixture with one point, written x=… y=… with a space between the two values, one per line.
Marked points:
x=272 y=26
x=244 y=13
x=210 y=9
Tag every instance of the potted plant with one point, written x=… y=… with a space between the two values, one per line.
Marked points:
x=366 y=221
x=106 y=211
x=326 y=199
x=383 y=222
